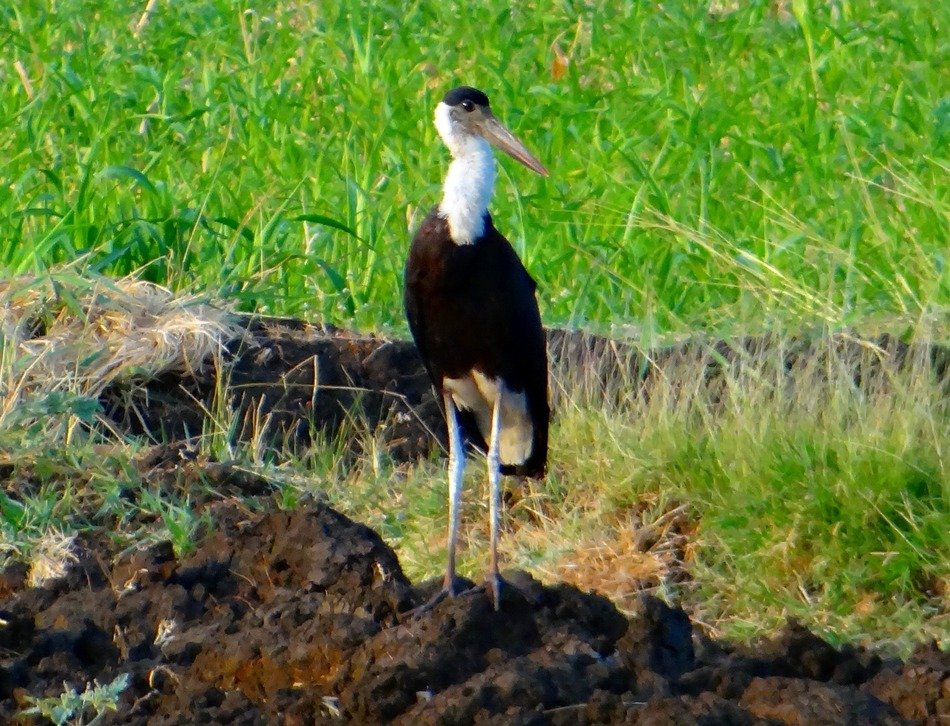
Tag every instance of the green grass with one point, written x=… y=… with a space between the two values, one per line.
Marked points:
x=818 y=499
x=708 y=170
x=779 y=167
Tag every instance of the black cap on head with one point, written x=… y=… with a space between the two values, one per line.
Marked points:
x=465 y=93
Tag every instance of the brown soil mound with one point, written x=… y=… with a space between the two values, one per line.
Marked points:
x=302 y=616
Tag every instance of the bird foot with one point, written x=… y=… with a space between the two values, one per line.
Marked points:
x=427 y=606
x=494 y=585
x=457 y=587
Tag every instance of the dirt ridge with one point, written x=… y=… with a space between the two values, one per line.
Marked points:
x=301 y=617
x=297 y=381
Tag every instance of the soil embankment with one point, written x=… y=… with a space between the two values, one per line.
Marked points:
x=301 y=617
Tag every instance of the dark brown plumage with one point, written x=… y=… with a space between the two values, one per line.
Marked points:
x=474 y=307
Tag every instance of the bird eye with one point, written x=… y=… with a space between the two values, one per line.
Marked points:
x=468 y=106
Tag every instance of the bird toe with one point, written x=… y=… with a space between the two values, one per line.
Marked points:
x=495 y=585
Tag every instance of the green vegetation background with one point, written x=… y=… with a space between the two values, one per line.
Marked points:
x=712 y=167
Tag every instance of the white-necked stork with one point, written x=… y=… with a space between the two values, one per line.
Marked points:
x=474 y=317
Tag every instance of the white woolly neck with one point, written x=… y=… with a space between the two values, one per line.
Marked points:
x=469 y=182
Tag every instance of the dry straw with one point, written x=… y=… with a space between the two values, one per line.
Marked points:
x=82 y=335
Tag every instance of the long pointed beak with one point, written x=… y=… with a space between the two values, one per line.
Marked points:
x=495 y=133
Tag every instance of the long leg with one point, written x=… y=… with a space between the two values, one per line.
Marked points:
x=456 y=469
x=494 y=485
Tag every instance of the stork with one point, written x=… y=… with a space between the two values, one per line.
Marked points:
x=474 y=316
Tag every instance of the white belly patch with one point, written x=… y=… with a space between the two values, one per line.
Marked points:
x=477 y=393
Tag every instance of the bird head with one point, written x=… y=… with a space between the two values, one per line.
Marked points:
x=464 y=117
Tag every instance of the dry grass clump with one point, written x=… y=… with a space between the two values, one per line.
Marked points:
x=625 y=558
x=80 y=335
x=50 y=557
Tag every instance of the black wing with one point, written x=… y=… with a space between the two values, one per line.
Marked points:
x=417 y=282
x=474 y=307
